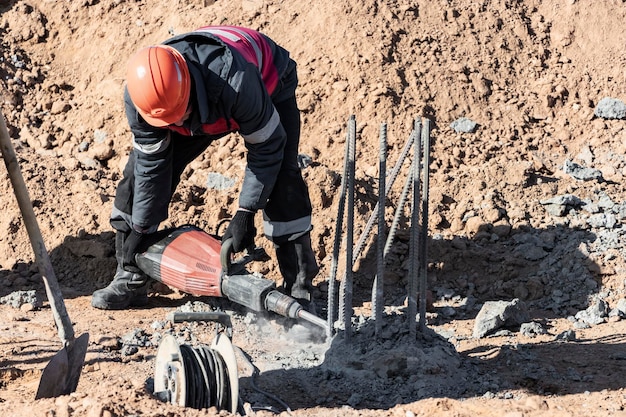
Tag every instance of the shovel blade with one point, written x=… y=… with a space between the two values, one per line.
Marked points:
x=61 y=375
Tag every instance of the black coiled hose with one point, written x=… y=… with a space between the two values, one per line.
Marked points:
x=207 y=380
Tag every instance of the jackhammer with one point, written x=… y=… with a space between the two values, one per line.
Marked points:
x=198 y=263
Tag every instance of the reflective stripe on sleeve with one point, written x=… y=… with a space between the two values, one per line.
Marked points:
x=293 y=229
x=153 y=148
x=265 y=132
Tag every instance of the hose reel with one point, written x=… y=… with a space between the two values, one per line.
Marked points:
x=198 y=376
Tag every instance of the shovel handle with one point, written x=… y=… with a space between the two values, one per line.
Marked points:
x=62 y=320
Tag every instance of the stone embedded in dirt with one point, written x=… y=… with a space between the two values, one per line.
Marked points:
x=560 y=205
x=532 y=329
x=497 y=314
x=620 y=309
x=109 y=342
x=101 y=151
x=602 y=220
x=136 y=339
x=563 y=200
x=89 y=163
x=594 y=314
x=464 y=125
x=579 y=172
x=60 y=107
x=611 y=108
x=17 y=299
x=566 y=336
x=217 y=181
x=476 y=224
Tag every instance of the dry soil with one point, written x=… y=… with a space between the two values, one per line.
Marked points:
x=529 y=73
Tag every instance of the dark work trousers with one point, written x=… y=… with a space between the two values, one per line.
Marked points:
x=288 y=211
x=287 y=214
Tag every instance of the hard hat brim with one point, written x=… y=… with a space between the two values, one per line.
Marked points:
x=171 y=118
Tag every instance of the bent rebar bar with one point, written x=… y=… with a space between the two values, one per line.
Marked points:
x=392 y=178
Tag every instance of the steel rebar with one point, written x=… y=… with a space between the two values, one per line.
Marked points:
x=392 y=178
x=424 y=234
x=399 y=209
x=332 y=280
x=345 y=301
x=377 y=293
x=414 y=238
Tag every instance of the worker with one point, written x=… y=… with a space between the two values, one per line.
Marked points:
x=181 y=96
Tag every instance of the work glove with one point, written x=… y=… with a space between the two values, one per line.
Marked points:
x=241 y=229
x=130 y=249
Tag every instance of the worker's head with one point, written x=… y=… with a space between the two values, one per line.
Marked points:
x=159 y=84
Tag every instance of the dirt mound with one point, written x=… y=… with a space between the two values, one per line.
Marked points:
x=525 y=204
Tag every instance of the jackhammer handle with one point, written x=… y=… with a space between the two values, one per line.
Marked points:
x=252 y=253
x=226 y=253
x=221 y=318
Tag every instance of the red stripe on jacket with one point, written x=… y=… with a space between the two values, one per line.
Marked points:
x=247 y=50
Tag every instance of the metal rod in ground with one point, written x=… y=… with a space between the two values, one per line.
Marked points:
x=414 y=238
x=399 y=211
x=332 y=279
x=377 y=293
x=424 y=234
x=392 y=178
x=345 y=290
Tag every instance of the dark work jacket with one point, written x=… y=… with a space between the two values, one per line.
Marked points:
x=235 y=73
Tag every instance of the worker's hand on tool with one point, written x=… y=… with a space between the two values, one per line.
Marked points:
x=130 y=249
x=241 y=229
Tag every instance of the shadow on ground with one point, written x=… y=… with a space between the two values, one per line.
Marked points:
x=549 y=269
x=545 y=268
x=380 y=374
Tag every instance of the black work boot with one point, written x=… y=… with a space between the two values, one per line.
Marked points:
x=128 y=289
x=298 y=266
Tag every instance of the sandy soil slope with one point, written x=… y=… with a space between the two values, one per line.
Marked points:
x=530 y=74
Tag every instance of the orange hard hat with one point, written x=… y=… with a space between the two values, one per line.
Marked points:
x=159 y=84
